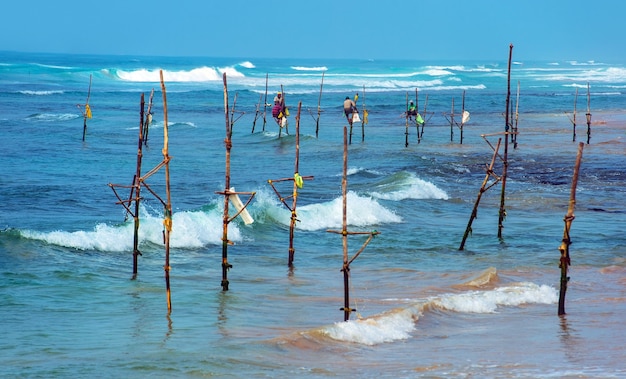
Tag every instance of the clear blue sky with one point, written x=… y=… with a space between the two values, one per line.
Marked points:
x=399 y=29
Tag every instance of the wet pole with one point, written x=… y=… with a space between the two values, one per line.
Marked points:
x=87 y=111
x=406 y=121
x=298 y=182
x=167 y=220
x=588 y=114
x=344 y=233
x=319 y=109
x=483 y=189
x=228 y=143
x=573 y=118
x=364 y=118
x=505 y=161
x=514 y=136
x=417 y=111
x=265 y=103
x=228 y=191
x=148 y=119
x=565 y=262
x=135 y=191
x=462 y=118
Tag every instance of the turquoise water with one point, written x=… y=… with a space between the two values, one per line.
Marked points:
x=423 y=308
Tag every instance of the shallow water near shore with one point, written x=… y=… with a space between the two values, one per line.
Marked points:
x=424 y=308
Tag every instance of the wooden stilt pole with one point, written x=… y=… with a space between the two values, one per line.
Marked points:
x=344 y=233
x=319 y=109
x=228 y=143
x=228 y=190
x=426 y=117
x=417 y=124
x=462 y=118
x=265 y=104
x=257 y=112
x=515 y=128
x=298 y=182
x=502 y=213
x=452 y=122
x=364 y=119
x=588 y=114
x=135 y=191
x=406 y=122
x=489 y=174
x=87 y=111
x=148 y=119
x=167 y=220
x=565 y=262
x=573 y=118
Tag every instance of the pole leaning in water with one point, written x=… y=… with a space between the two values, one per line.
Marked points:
x=565 y=262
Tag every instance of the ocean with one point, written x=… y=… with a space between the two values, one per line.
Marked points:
x=421 y=306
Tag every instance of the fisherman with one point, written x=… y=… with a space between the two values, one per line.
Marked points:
x=411 y=111
x=278 y=109
x=349 y=108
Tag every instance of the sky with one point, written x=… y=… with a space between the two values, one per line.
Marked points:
x=549 y=30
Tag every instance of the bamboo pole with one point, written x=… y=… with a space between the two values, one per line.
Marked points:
x=364 y=119
x=87 y=111
x=483 y=188
x=502 y=212
x=135 y=191
x=137 y=188
x=257 y=112
x=417 y=110
x=515 y=128
x=344 y=233
x=225 y=265
x=406 y=121
x=228 y=190
x=588 y=114
x=356 y=99
x=298 y=181
x=167 y=220
x=452 y=122
x=319 y=109
x=462 y=118
x=148 y=119
x=565 y=261
x=573 y=118
x=265 y=103
x=426 y=117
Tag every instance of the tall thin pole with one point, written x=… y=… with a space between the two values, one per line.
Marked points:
x=406 y=121
x=565 y=262
x=87 y=111
x=502 y=213
x=319 y=109
x=167 y=222
x=344 y=230
x=296 y=184
x=588 y=114
x=265 y=103
x=225 y=265
x=137 y=188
